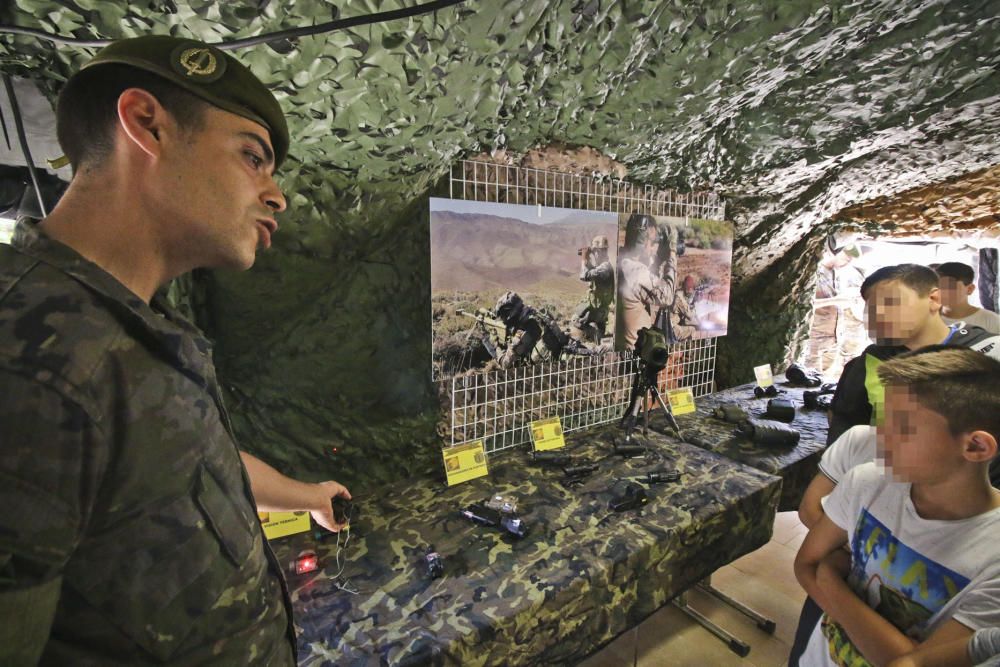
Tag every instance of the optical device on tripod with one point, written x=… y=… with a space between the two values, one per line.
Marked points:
x=651 y=354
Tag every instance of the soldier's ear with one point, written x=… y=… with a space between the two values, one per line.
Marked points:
x=142 y=119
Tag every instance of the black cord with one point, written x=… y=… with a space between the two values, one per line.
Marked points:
x=291 y=33
x=19 y=126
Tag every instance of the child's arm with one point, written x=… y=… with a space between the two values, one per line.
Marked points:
x=877 y=639
x=947 y=647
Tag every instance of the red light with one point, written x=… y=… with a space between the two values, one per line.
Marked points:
x=305 y=564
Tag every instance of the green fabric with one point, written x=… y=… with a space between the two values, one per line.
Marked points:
x=875 y=389
x=27 y=614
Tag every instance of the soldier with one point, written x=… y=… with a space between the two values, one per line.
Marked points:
x=647 y=281
x=129 y=532
x=591 y=318
x=534 y=327
x=684 y=323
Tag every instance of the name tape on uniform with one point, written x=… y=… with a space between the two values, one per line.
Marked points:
x=547 y=434
x=681 y=401
x=764 y=376
x=465 y=462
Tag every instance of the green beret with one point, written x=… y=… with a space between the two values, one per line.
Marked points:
x=211 y=74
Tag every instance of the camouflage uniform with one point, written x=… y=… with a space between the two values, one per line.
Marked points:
x=592 y=315
x=642 y=293
x=128 y=533
x=683 y=320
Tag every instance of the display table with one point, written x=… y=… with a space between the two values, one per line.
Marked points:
x=579 y=578
x=795 y=465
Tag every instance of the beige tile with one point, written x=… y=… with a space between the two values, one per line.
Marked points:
x=796 y=541
x=772 y=566
x=670 y=638
x=786 y=524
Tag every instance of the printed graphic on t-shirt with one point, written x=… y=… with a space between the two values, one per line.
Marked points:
x=902 y=585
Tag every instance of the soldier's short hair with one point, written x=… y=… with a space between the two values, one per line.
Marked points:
x=87 y=109
x=960 y=384
x=917 y=277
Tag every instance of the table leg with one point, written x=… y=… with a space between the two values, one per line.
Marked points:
x=764 y=623
x=735 y=644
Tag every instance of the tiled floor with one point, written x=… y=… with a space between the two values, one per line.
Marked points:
x=762 y=580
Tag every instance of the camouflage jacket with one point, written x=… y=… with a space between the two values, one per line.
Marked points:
x=128 y=533
x=602 y=285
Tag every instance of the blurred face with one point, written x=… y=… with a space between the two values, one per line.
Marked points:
x=954 y=293
x=220 y=195
x=895 y=313
x=914 y=441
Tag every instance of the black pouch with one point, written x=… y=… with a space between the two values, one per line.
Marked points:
x=767 y=432
x=780 y=409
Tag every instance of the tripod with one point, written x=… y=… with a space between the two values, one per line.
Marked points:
x=644 y=388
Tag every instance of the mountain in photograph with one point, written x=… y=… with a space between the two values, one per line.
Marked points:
x=476 y=252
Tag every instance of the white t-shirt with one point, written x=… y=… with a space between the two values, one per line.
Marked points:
x=986 y=319
x=915 y=572
x=855 y=446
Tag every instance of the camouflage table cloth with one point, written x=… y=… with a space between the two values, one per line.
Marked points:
x=795 y=465
x=580 y=577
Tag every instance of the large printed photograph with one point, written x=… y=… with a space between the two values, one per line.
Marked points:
x=514 y=285
x=673 y=275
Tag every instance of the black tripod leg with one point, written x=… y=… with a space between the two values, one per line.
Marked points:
x=666 y=409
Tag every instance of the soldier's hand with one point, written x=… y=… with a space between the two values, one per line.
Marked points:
x=322 y=512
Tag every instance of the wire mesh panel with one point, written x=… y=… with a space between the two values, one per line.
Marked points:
x=507 y=184
x=498 y=406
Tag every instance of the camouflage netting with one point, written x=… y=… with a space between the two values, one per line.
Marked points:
x=796 y=111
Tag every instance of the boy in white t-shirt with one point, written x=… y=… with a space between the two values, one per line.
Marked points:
x=924 y=533
x=957 y=282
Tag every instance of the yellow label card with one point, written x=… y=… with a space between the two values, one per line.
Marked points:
x=764 y=376
x=279 y=524
x=681 y=400
x=547 y=434
x=465 y=462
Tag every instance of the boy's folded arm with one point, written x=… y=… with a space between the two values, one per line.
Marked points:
x=877 y=639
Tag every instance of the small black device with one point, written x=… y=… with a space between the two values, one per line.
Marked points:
x=659 y=477
x=579 y=472
x=803 y=376
x=629 y=451
x=483 y=515
x=551 y=458
x=435 y=568
x=343 y=510
x=762 y=392
x=629 y=496
x=781 y=409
